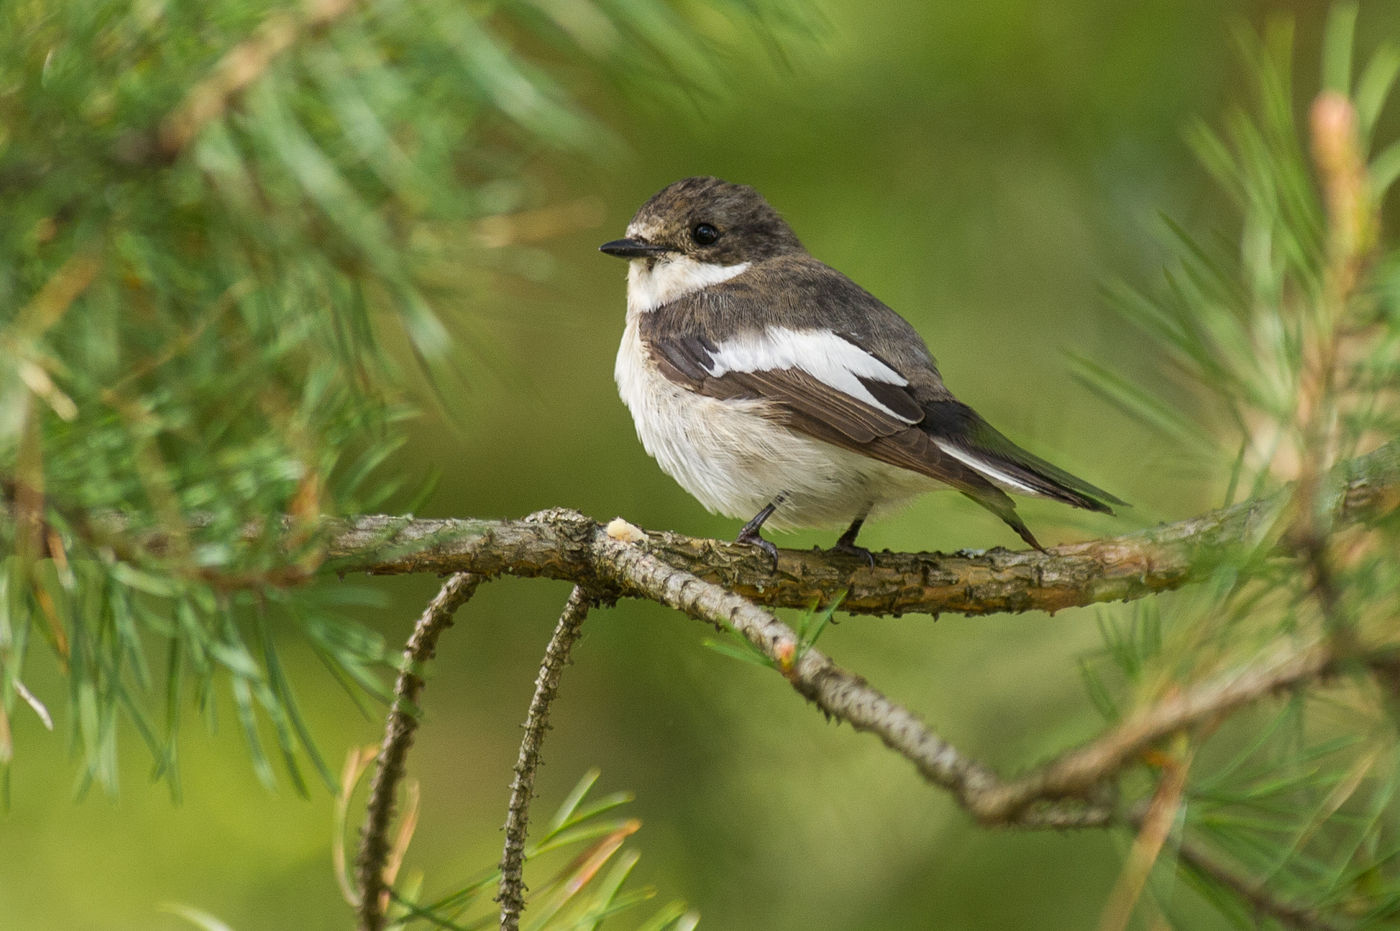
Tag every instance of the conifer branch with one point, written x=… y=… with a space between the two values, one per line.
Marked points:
x=1075 y=790
x=562 y=544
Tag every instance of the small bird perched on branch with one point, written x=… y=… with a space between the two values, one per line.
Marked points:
x=771 y=385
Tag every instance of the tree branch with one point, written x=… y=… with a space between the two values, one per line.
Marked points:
x=1074 y=790
x=399 y=728
x=556 y=656
x=559 y=544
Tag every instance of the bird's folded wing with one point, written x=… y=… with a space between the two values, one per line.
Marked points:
x=843 y=396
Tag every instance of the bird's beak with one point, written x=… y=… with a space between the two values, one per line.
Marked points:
x=633 y=249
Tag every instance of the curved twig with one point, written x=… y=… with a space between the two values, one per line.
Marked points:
x=1073 y=790
x=511 y=893
x=399 y=728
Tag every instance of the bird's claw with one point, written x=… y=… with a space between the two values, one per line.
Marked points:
x=752 y=537
x=850 y=549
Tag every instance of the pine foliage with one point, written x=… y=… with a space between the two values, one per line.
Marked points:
x=217 y=218
x=1288 y=331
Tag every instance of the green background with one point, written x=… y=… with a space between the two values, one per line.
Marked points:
x=984 y=168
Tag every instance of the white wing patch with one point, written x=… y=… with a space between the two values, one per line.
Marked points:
x=988 y=471
x=825 y=356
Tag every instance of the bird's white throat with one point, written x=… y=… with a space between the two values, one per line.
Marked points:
x=653 y=283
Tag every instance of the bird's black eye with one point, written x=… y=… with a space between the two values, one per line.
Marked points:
x=704 y=234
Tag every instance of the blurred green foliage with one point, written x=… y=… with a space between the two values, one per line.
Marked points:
x=980 y=167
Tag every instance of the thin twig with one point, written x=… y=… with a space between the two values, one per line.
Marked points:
x=1077 y=771
x=1205 y=864
x=1072 y=790
x=838 y=693
x=399 y=728
x=511 y=894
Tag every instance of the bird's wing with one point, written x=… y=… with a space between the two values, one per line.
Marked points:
x=822 y=384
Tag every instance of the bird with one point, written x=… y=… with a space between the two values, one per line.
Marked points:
x=772 y=387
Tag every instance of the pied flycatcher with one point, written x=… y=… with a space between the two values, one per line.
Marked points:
x=771 y=385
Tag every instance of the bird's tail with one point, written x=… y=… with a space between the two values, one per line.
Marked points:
x=961 y=434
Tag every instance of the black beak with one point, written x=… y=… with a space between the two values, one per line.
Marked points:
x=632 y=249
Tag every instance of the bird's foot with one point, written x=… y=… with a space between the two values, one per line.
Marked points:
x=847 y=543
x=751 y=535
x=847 y=548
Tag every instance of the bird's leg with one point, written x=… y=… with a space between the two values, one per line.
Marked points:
x=847 y=543
x=750 y=534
